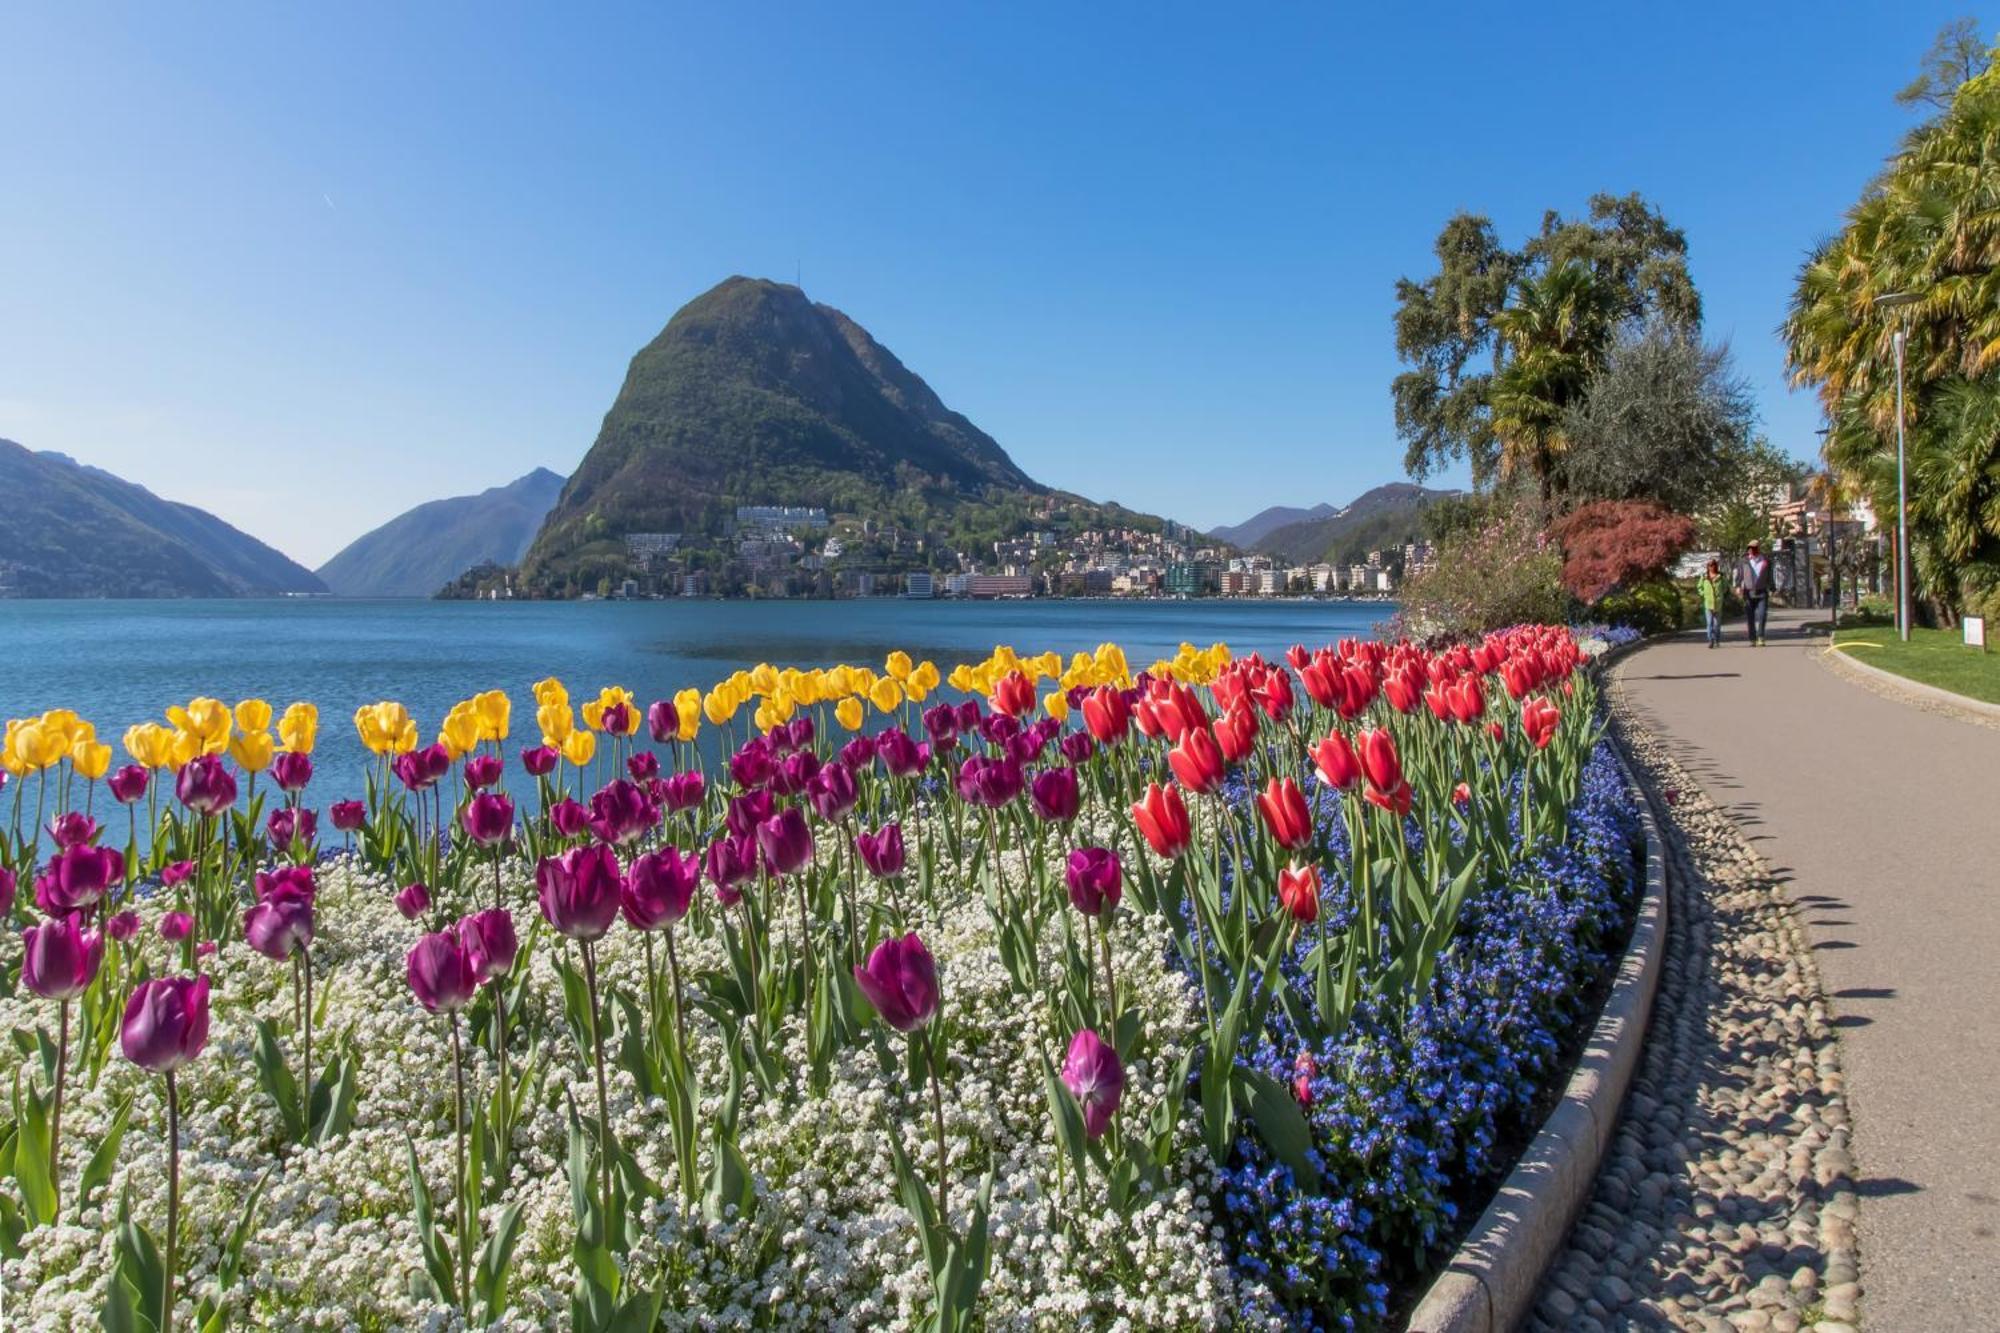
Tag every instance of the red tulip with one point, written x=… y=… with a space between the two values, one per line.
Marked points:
x=1107 y=714
x=1539 y=720
x=1298 y=891
x=1321 y=677
x=1014 y=695
x=1335 y=760
x=1163 y=819
x=1283 y=807
x=1236 y=733
x=1197 y=761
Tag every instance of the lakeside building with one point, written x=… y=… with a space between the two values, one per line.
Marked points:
x=918 y=584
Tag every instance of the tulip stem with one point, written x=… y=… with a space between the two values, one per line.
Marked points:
x=603 y=1097
x=306 y=1059
x=674 y=970
x=55 y=1113
x=173 y=1200
x=1110 y=981
x=937 y=1111
x=464 y=1200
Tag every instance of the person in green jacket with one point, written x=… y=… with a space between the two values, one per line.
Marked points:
x=1711 y=588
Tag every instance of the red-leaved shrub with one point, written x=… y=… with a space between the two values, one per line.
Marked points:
x=1612 y=544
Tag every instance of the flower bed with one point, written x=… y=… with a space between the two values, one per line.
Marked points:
x=1041 y=995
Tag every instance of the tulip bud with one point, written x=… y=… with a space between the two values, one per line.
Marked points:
x=489 y=941
x=900 y=980
x=1092 y=1073
x=59 y=959
x=1095 y=879
x=166 y=1023
x=440 y=973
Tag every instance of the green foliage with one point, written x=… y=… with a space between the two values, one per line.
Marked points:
x=1652 y=607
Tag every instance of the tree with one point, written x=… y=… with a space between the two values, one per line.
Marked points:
x=1613 y=544
x=1956 y=54
x=1927 y=233
x=1555 y=333
x=1666 y=418
x=1447 y=324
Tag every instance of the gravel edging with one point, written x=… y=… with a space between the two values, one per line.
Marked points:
x=1490 y=1283
x=1728 y=1199
x=1930 y=698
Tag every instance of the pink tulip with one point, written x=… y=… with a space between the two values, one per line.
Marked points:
x=176 y=926
x=129 y=784
x=413 y=900
x=279 y=927
x=292 y=771
x=900 y=980
x=1095 y=1078
x=1095 y=879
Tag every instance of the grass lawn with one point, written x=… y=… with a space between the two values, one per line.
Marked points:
x=1934 y=656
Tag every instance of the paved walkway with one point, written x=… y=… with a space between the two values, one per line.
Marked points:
x=1878 y=820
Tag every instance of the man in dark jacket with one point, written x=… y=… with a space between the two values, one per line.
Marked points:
x=1753 y=582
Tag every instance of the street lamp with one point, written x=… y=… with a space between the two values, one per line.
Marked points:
x=1896 y=301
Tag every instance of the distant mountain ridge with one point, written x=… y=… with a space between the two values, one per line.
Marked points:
x=422 y=549
x=753 y=395
x=1253 y=529
x=71 y=530
x=1386 y=515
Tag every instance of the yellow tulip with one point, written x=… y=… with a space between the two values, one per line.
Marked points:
x=550 y=691
x=460 y=731
x=184 y=746
x=50 y=746
x=848 y=713
x=253 y=715
x=90 y=759
x=961 y=679
x=886 y=695
x=298 y=729
x=580 y=746
x=1056 y=704
x=495 y=710
x=766 y=717
x=10 y=758
x=898 y=666
x=208 y=720
x=556 y=723
x=386 y=727
x=718 y=707
x=252 y=751
x=687 y=712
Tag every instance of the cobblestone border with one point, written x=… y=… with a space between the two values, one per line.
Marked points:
x=1904 y=690
x=1491 y=1282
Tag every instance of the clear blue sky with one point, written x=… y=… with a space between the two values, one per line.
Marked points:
x=309 y=265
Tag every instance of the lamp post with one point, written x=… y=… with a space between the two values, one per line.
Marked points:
x=1897 y=301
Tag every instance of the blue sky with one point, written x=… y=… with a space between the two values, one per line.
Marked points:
x=307 y=266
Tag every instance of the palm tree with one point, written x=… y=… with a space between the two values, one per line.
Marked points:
x=1554 y=335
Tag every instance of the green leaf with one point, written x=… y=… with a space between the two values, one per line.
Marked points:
x=1280 y=1123
x=104 y=1160
x=1063 y=1111
x=336 y=1096
x=437 y=1258
x=140 y=1272
x=276 y=1077
x=496 y=1257
x=31 y=1159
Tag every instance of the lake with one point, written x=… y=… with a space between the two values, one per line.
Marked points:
x=117 y=663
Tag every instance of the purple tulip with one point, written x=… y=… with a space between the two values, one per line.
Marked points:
x=799 y=732
x=999 y=728
x=348 y=816
x=166 y=1023
x=898 y=752
x=291 y=828
x=413 y=900
x=833 y=792
x=858 y=753
x=752 y=766
x=176 y=872
x=1055 y=794
x=941 y=723
x=620 y=813
x=785 y=841
x=540 y=761
x=1094 y=1077
x=989 y=782
x=968 y=716
x=279 y=927
x=205 y=786
x=8 y=887
x=77 y=877
x=420 y=769
x=663 y=720
x=900 y=980
x=74 y=829
x=482 y=771
x=488 y=818
x=683 y=791
x=489 y=940
x=1077 y=747
x=59 y=959
x=579 y=890
x=440 y=973
x=1095 y=878
x=569 y=817
x=881 y=852
x=749 y=810
x=643 y=766
x=294 y=882
x=176 y=926
x=129 y=784
x=658 y=888
x=292 y=771
x=729 y=861
x=123 y=926
x=795 y=773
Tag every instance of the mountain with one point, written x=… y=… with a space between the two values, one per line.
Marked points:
x=418 y=552
x=1253 y=529
x=755 y=396
x=68 y=530
x=1388 y=515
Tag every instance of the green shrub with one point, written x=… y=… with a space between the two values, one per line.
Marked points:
x=1652 y=607
x=1486 y=577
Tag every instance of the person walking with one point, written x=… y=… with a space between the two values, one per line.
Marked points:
x=1710 y=586
x=1754 y=580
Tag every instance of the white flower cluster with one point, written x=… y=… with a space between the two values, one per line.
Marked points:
x=827 y=1245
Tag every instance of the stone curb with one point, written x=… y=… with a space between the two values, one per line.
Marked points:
x=1491 y=1281
x=1841 y=662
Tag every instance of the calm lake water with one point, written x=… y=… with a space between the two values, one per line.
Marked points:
x=118 y=663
